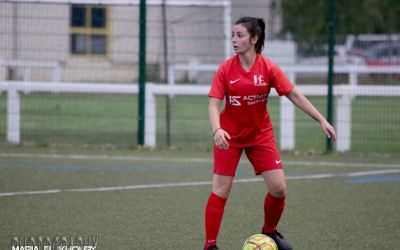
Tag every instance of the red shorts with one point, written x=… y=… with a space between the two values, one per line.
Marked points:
x=263 y=158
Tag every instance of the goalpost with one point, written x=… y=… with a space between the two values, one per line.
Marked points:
x=225 y=4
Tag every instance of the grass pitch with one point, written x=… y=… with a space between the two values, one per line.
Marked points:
x=133 y=199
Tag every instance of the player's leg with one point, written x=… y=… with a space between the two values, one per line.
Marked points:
x=222 y=185
x=266 y=162
x=274 y=202
x=215 y=207
x=225 y=164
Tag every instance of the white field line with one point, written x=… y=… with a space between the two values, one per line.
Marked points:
x=197 y=183
x=189 y=159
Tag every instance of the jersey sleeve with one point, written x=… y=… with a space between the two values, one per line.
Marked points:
x=280 y=82
x=218 y=86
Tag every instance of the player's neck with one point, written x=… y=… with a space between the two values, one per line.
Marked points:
x=247 y=60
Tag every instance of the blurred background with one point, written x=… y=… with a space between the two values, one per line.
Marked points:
x=69 y=71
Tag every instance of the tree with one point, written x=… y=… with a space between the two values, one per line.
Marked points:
x=306 y=19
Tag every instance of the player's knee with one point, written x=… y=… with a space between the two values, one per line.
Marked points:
x=222 y=191
x=278 y=190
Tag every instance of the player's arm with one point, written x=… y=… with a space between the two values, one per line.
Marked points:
x=298 y=99
x=219 y=134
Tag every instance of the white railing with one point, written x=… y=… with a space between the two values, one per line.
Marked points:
x=353 y=70
x=14 y=88
x=343 y=93
x=27 y=67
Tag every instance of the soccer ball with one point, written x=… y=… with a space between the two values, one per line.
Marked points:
x=259 y=242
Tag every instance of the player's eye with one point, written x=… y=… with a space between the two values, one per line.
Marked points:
x=240 y=34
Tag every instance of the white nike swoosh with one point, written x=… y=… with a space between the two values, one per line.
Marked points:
x=234 y=81
x=209 y=241
x=277 y=162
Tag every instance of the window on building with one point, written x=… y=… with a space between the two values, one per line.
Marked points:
x=88 y=30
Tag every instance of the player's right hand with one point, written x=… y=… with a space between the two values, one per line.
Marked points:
x=220 y=139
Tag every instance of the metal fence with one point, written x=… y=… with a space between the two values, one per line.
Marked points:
x=94 y=50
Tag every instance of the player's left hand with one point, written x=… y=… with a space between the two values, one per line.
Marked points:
x=329 y=130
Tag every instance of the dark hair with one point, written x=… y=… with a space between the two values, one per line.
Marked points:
x=255 y=27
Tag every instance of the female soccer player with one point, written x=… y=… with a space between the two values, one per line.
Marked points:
x=245 y=81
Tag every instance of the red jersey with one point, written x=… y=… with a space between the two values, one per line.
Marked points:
x=245 y=116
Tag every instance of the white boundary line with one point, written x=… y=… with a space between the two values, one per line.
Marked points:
x=187 y=159
x=198 y=183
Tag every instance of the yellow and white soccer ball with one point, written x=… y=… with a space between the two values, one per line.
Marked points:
x=259 y=242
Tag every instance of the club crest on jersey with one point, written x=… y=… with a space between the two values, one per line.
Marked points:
x=259 y=80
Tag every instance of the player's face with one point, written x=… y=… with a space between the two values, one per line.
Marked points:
x=241 y=40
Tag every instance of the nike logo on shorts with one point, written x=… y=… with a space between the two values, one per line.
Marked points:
x=278 y=161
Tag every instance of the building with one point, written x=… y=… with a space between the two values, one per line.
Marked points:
x=76 y=41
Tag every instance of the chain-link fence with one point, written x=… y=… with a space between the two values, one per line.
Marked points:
x=89 y=45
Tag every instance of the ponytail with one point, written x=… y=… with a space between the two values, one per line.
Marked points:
x=261 y=37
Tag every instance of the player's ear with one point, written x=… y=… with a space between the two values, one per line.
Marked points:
x=254 y=40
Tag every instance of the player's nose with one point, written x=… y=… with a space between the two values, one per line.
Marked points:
x=234 y=39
